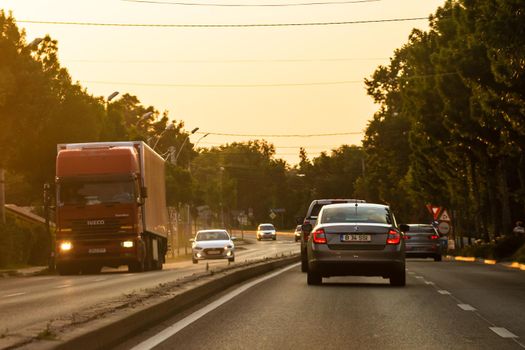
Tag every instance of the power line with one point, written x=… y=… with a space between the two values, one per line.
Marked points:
x=251 y=5
x=225 y=85
x=211 y=25
x=282 y=135
x=292 y=60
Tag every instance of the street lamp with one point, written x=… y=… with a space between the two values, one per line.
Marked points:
x=183 y=143
x=169 y=127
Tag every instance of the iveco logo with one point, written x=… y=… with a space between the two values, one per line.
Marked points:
x=95 y=222
x=356 y=228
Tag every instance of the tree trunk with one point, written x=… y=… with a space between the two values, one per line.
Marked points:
x=505 y=197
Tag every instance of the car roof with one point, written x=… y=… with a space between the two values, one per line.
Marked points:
x=420 y=225
x=328 y=201
x=353 y=205
x=265 y=224
x=213 y=230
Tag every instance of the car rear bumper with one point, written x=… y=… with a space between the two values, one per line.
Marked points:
x=423 y=250
x=356 y=262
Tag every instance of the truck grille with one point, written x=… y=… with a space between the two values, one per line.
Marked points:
x=99 y=226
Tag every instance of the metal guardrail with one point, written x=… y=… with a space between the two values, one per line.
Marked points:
x=26 y=215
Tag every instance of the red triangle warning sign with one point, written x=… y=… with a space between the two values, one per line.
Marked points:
x=444 y=216
x=435 y=211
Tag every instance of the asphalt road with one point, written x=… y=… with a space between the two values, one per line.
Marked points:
x=447 y=305
x=28 y=303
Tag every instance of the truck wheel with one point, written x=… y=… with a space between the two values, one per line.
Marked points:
x=195 y=261
x=137 y=266
x=91 y=270
x=65 y=270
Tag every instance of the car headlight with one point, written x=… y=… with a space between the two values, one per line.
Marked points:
x=128 y=244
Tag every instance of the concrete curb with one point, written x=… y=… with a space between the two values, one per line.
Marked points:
x=122 y=325
x=513 y=265
x=30 y=271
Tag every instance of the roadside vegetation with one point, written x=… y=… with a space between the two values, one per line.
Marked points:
x=449 y=131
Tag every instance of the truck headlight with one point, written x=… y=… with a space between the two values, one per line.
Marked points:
x=65 y=246
x=128 y=244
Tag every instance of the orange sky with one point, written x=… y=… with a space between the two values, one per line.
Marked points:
x=169 y=62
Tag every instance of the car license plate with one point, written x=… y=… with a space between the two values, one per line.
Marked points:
x=355 y=238
x=97 y=250
x=214 y=252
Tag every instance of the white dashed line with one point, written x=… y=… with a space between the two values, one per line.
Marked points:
x=444 y=292
x=100 y=279
x=467 y=307
x=420 y=277
x=429 y=282
x=14 y=295
x=503 y=332
x=63 y=286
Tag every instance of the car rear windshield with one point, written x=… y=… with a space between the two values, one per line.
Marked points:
x=317 y=206
x=212 y=236
x=422 y=229
x=376 y=215
x=266 y=227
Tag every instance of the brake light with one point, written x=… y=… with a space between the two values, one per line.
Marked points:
x=405 y=237
x=319 y=236
x=433 y=237
x=393 y=237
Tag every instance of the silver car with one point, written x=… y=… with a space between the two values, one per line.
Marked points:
x=423 y=241
x=212 y=244
x=355 y=239
x=266 y=231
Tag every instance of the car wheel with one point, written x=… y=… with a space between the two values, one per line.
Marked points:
x=195 y=261
x=437 y=257
x=274 y=238
x=314 y=278
x=304 y=263
x=232 y=259
x=398 y=279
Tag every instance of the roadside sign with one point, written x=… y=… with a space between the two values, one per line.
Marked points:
x=434 y=210
x=444 y=216
x=272 y=215
x=444 y=228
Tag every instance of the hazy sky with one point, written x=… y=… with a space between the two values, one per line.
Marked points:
x=167 y=67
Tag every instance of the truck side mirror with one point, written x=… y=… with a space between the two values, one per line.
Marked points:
x=307 y=227
x=144 y=192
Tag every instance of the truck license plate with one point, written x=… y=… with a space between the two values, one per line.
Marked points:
x=355 y=238
x=97 y=250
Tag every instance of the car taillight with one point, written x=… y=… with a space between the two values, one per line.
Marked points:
x=405 y=237
x=319 y=236
x=393 y=237
x=433 y=237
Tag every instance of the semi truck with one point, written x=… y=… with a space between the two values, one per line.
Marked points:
x=110 y=207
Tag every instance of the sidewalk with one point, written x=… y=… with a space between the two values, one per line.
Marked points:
x=23 y=272
x=511 y=264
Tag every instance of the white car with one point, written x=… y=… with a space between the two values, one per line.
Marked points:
x=212 y=244
x=265 y=231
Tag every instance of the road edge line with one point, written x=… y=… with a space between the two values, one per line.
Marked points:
x=116 y=328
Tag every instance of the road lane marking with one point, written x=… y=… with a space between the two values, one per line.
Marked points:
x=420 y=277
x=429 y=282
x=178 y=326
x=412 y=273
x=100 y=279
x=63 y=286
x=14 y=295
x=503 y=332
x=467 y=307
x=444 y=292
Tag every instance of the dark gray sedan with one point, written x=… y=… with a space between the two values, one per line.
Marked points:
x=355 y=239
x=423 y=241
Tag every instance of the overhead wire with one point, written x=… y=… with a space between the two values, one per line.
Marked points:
x=218 y=25
x=283 y=135
x=250 y=5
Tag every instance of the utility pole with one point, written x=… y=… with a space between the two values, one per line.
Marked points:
x=2 y=195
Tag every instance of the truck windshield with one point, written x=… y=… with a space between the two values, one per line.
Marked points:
x=91 y=193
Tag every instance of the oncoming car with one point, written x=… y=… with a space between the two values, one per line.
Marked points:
x=297 y=233
x=212 y=244
x=266 y=231
x=358 y=239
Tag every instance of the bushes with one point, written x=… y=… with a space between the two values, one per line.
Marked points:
x=520 y=255
x=23 y=244
x=502 y=248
